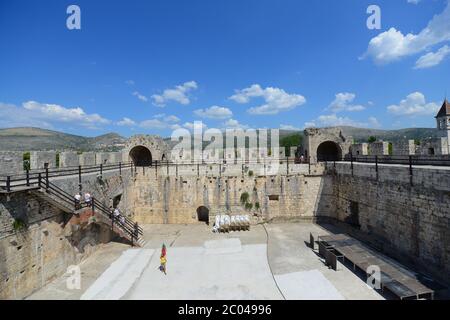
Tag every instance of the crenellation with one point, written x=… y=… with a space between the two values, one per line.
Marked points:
x=42 y=159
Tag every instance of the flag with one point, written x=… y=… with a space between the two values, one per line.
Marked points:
x=163 y=250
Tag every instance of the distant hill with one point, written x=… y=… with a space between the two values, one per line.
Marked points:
x=362 y=134
x=29 y=139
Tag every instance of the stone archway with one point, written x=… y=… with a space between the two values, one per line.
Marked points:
x=141 y=156
x=329 y=151
x=203 y=214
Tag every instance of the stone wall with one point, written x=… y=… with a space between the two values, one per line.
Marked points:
x=403 y=148
x=11 y=162
x=314 y=137
x=360 y=149
x=69 y=159
x=433 y=146
x=87 y=159
x=408 y=221
x=379 y=148
x=38 y=159
x=33 y=256
x=173 y=194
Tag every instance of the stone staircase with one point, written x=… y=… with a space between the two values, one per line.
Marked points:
x=65 y=202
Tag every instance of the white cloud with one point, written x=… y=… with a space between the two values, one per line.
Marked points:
x=414 y=1
x=234 y=124
x=374 y=123
x=54 y=112
x=45 y=115
x=414 y=105
x=178 y=94
x=214 y=112
x=153 y=124
x=393 y=45
x=195 y=124
x=343 y=102
x=276 y=100
x=140 y=96
x=310 y=124
x=126 y=122
x=159 y=121
x=129 y=82
x=172 y=119
x=332 y=120
x=432 y=59
x=289 y=127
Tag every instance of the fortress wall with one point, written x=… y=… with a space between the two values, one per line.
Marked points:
x=11 y=162
x=161 y=198
x=379 y=148
x=69 y=159
x=102 y=158
x=87 y=159
x=409 y=222
x=38 y=159
x=403 y=148
x=360 y=149
x=33 y=256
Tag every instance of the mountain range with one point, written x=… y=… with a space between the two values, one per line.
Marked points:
x=28 y=139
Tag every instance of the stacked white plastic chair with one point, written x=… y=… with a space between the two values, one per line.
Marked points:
x=226 y=223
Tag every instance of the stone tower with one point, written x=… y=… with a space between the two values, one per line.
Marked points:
x=443 y=122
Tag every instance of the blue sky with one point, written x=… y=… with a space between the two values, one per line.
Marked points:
x=154 y=66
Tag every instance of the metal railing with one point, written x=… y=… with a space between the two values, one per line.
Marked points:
x=411 y=160
x=31 y=177
x=131 y=228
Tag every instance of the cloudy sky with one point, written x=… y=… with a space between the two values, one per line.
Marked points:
x=154 y=66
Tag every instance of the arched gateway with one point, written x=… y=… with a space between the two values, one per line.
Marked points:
x=141 y=156
x=143 y=150
x=329 y=151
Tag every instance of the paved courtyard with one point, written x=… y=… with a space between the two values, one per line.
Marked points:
x=271 y=263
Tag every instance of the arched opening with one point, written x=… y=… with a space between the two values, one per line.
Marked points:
x=141 y=156
x=116 y=200
x=203 y=214
x=328 y=151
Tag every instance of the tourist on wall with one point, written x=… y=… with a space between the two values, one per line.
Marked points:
x=77 y=199
x=87 y=198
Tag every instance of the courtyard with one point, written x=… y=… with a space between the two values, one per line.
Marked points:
x=271 y=261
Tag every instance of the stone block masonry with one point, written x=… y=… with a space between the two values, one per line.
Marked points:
x=380 y=148
x=102 y=158
x=87 y=159
x=360 y=149
x=173 y=195
x=408 y=221
x=404 y=148
x=69 y=159
x=39 y=159
x=11 y=162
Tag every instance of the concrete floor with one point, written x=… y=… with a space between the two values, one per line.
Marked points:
x=203 y=265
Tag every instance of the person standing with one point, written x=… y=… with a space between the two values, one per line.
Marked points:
x=87 y=199
x=163 y=262
x=77 y=199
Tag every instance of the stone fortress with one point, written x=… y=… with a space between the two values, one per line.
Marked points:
x=402 y=211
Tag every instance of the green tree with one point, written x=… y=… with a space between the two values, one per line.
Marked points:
x=293 y=140
x=26 y=161
x=371 y=139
